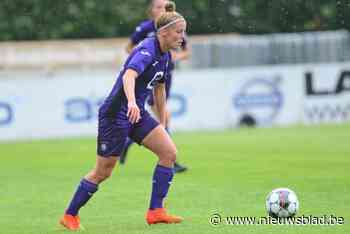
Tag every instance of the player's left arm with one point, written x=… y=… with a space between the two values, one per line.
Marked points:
x=160 y=102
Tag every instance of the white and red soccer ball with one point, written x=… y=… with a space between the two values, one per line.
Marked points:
x=282 y=203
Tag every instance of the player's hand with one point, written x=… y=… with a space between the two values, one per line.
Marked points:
x=133 y=112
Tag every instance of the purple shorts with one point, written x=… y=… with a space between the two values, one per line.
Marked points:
x=113 y=132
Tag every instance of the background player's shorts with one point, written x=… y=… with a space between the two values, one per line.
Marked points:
x=150 y=100
x=113 y=132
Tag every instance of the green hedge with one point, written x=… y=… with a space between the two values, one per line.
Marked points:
x=49 y=19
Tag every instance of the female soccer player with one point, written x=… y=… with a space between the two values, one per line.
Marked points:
x=123 y=115
x=147 y=29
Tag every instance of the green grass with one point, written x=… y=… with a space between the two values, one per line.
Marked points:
x=231 y=173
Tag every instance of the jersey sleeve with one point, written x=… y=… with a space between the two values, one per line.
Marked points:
x=140 y=61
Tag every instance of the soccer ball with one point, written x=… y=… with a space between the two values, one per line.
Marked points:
x=282 y=203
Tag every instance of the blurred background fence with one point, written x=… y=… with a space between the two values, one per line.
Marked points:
x=210 y=51
x=290 y=48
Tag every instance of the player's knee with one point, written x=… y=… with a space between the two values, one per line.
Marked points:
x=102 y=175
x=170 y=155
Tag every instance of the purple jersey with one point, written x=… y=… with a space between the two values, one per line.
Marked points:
x=152 y=68
x=145 y=29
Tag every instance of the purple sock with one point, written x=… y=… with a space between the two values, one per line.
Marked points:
x=84 y=192
x=162 y=178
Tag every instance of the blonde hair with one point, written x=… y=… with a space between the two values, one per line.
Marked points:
x=170 y=16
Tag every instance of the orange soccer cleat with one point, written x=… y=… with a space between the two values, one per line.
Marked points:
x=71 y=222
x=159 y=215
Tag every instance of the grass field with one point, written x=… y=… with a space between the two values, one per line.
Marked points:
x=231 y=173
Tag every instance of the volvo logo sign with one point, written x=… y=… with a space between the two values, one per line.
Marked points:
x=260 y=99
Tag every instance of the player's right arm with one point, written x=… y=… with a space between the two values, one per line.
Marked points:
x=138 y=63
x=129 y=78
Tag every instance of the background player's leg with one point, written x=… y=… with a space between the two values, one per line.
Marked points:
x=124 y=154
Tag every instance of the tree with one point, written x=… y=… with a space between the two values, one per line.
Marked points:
x=43 y=19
